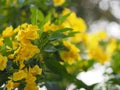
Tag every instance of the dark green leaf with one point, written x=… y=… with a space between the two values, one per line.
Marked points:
x=3 y=77
x=50 y=48
x=53 y=86
x=59 y=34
x=2 y=88
x=56 y=67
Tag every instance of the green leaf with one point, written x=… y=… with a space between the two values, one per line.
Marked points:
x=46 y=19
x=50 y=48
x=56 y=67
x=3 y=77
x=115 y=79
x=63 y=18
x=87 y=64
x=115 y=63
x=41 y=24
x=64 y=29
x=8 y=42
x=52 y=86
x=2 y=88
x=37 y=16
x=59 y=34
x=3 y=50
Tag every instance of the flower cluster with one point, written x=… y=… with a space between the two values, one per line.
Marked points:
x=24 y=49
x=16 y=48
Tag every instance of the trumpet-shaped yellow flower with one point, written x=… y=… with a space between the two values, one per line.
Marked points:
x=30 y=82
x=26 y=50
x=28 y=32
x=58 y=2
x=98 y=54
x=16 y=85
x=9 y=85
x=15 y=45
x=32 y=35
x=1 y=41
x=30 y=78
x=112 y=45
x=36 y=70
x=3 y=62
x=102 y=35
x=48 y=26
x=72 y=54
x=31 y=86
x=21 y=74
x=77 y=24
x=8 y=32
x=92 y=40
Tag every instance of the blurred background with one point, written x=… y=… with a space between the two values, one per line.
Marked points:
x=98 y=14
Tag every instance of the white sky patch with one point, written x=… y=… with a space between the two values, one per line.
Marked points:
x=115 y=8
x=92 y=76
x=104 y=5
x=113 y=29
x=43 y=88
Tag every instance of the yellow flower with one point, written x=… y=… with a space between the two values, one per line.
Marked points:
x=95 y=51
x=26 y=50
x=47 y=26
x=15 y=45
x=24 y=25
x=31 y=86
x=30 y=78
x=32 y=35
x=8 y=32
x=19 y=75
x=58 y=2
x=3 y=62
x=66 y=11
x=9 y=85
x=28 y=32
x=35 y=70
x=11 y=56
x=72 y=54
x=112 y=45
x=50 y=26
x=30 y=82
x=102 y=35
x=16 y=85
x=95 y=38
x=98 y=54
x=22 y=65
x=76 y=23
x=1 y=41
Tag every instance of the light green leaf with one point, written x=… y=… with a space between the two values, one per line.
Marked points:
x=63 y=18
x=37 y=16
x=8 y=42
